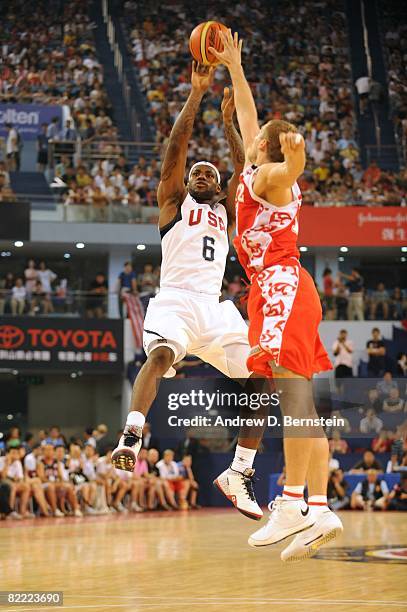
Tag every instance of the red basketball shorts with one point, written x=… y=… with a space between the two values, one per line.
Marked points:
x=284 y=314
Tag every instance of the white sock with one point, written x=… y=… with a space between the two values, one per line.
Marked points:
x=136 y=418
x=293 y=492
x=318 y=503
x=243 y=458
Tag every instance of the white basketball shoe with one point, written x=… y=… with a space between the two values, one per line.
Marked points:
x=238 y=488
x=287 y=517
x=328 y=526
x=125 y=454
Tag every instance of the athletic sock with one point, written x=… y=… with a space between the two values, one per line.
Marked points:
x=318 y=502
x=136 y=418
x=243 y=458
x=293 y=492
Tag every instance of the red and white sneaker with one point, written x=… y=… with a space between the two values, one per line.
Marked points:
x=238 y=488
x=125 y=454
x=287 y=517
x=328 y=526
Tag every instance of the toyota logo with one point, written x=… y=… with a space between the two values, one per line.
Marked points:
x=11 y=337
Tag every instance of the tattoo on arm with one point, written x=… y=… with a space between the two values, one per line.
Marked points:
x=235 y=145
x=180 y=135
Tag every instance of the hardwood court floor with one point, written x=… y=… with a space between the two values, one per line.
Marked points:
x=197 y=561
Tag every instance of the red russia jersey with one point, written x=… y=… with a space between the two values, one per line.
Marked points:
x=265 y=234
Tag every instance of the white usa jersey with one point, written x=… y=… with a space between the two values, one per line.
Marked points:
x=195 y=246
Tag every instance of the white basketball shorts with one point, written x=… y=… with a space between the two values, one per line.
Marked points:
x=198 y=324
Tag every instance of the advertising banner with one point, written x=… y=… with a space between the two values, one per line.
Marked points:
x=27 y=118
x=61 y=344
x=353 y=226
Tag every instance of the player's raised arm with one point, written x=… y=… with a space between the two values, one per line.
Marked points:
x=172 y=190
x=236 y=151
x=231 y=57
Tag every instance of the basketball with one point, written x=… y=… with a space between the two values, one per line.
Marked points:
x=202 y=37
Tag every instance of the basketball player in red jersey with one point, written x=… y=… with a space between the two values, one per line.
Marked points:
x=284 y=312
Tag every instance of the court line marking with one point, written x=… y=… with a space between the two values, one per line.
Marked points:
x=223 y=602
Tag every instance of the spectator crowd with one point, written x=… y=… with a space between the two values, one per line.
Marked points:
x=39 y=291
x=306 y=84
x=50 y=476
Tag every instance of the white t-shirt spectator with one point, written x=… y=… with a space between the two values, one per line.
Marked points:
x=168 y=470
x=15 y=470
x=18 y=293
x=46 y=277
x=362 y=84
x=89 y=469
x=30 y=462
x=371 y=488
x=371 y=425
x=343 y=357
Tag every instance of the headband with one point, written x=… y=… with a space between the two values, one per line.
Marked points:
x=205 y=163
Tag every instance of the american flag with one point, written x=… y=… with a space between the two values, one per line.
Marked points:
x=135 y=313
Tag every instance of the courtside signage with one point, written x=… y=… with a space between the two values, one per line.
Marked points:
x=42 y=343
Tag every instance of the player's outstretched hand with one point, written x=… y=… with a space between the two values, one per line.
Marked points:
x=201 y=77
x=231 y=56
x=291 y=142
x=228 y=105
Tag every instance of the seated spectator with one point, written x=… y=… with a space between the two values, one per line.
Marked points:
x=369 y=462
x=395 y=465
x=139 y=482
x=32 y=478
x=66 y=488
x=337 y=491
x=344 y=429
x=157 y=487
x=394 y=403
x=370 y=423
x=185 y=470
x=370 y=494
x=48 y=472
x=54 y=437
x=382 y=443
x=13 y=438
x=40 y=301
x=18 y=297
x=106 y=475
x=11 y=471
x=387 y=383
x=168 y=470
x=397 y=499
x=96 y=302
x=380 y=298
x=336 y=444
x=373 y=401
x=77 y=466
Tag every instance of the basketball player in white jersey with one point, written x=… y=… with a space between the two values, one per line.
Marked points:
x=186 y=316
